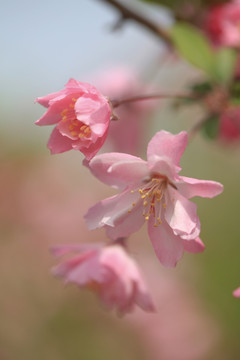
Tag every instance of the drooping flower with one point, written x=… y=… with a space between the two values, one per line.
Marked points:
x=127 y=134
x=82 y=116
x=236 y=293
x=107 y=270
x=153 y=191
x=222 y=24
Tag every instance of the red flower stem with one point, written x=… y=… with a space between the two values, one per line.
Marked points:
x=129 y=14
x=156 y=96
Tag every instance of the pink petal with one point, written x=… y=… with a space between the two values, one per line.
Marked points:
x=58 y=143
x=193 y=246
x=65 y=268
x=163 y=166
x=190 y=187
x=56 y=106
x=111 y=211
x=165 y=144
x=60 y=250
x=117 y=169
x=132 y=222
x=92 y=149
x=84 y=107
x=236 y=293
x=168 y=247
x=180 y=213
x=144 y=300
x=44 y=101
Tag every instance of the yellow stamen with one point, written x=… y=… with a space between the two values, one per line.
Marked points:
x=64 y=112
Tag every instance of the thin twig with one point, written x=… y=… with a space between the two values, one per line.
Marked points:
x=155 y=96
x=129 y=14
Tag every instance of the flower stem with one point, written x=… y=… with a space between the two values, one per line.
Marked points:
x=155 y=96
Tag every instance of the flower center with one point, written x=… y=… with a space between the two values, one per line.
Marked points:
x=76 y=127
x=153 y=198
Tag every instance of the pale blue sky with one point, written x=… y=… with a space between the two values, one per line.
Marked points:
x=46 y=42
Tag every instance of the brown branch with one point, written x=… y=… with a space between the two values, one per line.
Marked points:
x=156 y=96
x=128 y=14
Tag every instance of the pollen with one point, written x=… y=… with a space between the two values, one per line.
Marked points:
x=152 y=195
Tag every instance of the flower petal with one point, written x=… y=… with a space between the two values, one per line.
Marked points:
x=168 y=247
x=131 y=223
x=111 y=211
x=58 y=143
x=236 y=293
x=180 y=213
x=190 y=187
x=165 y=144
x=60 y=250
x=193 y=246
x=117 y=169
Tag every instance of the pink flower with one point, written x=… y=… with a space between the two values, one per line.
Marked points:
x=152 y=191
x=222 y=24
x=229 y=125
x=236 y=293
x=108 y=271
x=82 y=115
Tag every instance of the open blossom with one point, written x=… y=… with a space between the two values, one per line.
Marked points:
x=82 y=116
x=236 y=293
x=108 y=271
x=153 y=191
x=222 y=24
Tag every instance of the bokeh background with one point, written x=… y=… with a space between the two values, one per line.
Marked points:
x=43 y=199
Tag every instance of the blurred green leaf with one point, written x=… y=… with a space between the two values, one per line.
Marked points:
x=193 y=46
x=196 y=49
x=211 y=126
x=225 y=61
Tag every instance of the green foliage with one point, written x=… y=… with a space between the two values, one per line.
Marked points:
x=194 y=46
x=225 y=60
x=210 y=127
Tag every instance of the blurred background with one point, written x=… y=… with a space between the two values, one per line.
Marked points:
x=44 y=198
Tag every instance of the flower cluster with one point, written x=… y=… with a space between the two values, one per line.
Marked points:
x=152 y=191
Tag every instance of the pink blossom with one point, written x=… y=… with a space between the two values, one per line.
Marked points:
x=222 y=24
x=128 y=133
x=229 y=125
x=153 y=191
x=108 y=271
x=82 y=115
x=236 y=293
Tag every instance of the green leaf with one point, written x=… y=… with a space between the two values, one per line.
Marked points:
x=211 y=126
x=193 y=46
x=225 y=62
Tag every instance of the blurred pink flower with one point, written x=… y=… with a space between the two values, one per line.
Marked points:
x=229 y=125
x=128 y=133
x=108 y=271
x=153 y=191
x=222 y=24
x=82 y=115
x=236 y=293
